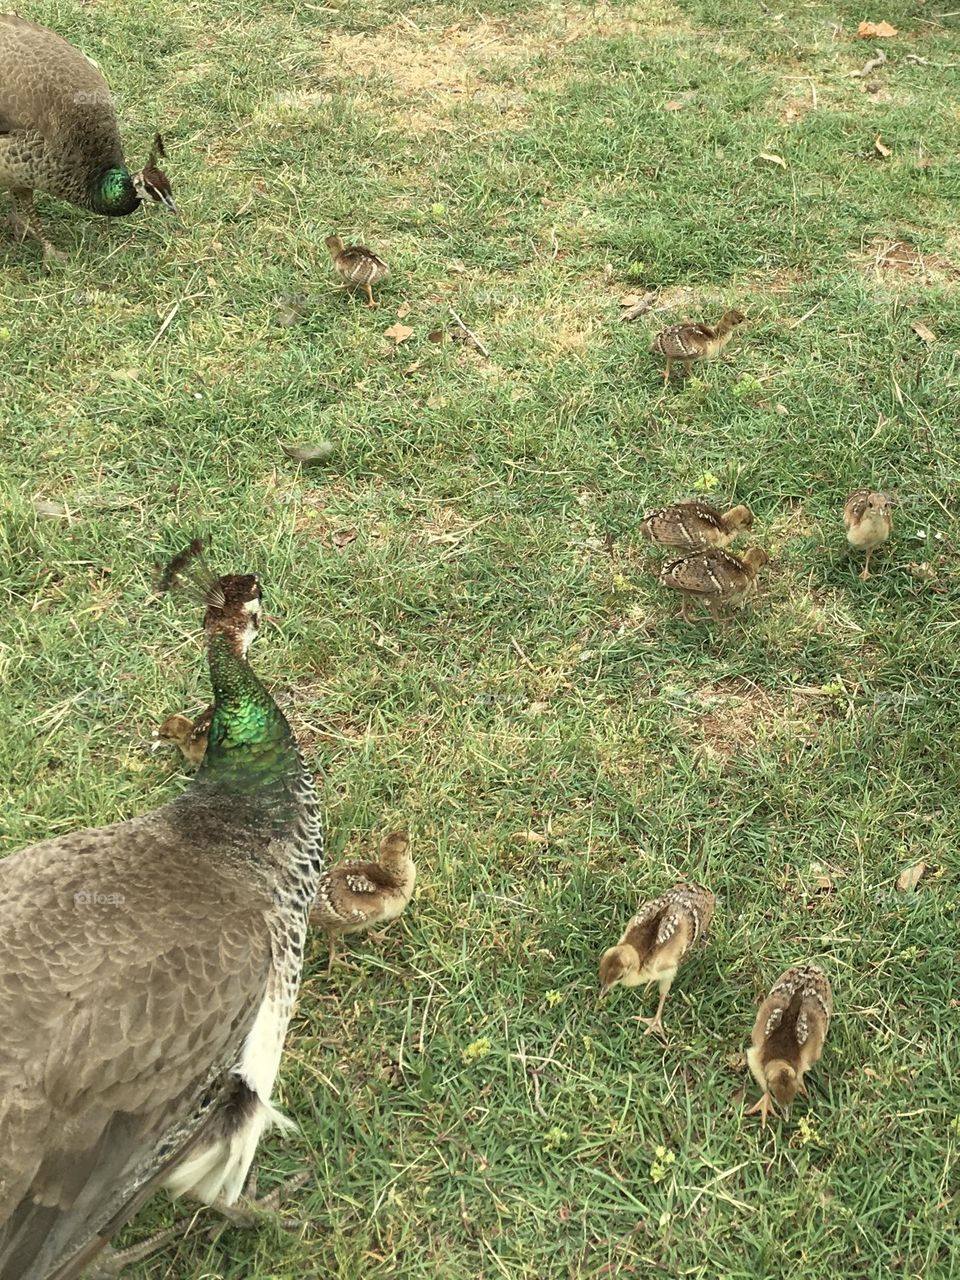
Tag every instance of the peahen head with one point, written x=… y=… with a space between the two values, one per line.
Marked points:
x=233 y=610
x=152 y=183
x=247 y=728
x=119 y=192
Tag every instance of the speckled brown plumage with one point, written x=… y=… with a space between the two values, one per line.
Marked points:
x=59 y=132
x=695 y=523
x=788 y=1035
x=715 y=576
x=359 y=895
x=147 y=973
x=656 y=942
x=689 y=343
x=358 y=267
x=868 y=519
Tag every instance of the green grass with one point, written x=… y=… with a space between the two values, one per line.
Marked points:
x=479 y=663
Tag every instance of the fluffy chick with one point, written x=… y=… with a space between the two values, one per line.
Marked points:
x=695 y=524
x=715 y=576
x=689 y=343
x=358 y=267
x=188 y=736
x=868 y=518
x=788 y=1036
x=656 y=942
x=357 y=895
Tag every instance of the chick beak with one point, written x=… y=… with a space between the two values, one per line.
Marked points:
x=605 y=990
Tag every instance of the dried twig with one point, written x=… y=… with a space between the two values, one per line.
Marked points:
x=470 y=334
x=167 y=321
x=869 y=66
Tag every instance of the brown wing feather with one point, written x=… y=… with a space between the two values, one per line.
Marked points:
x=130 y=975
x=683 y=341
x=684 y=524
x=48 y=86
x=855 y=506
x=684 y=911
x=711 y=572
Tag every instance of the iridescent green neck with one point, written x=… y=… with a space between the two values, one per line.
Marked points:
x=114 y=193
x=250 y=743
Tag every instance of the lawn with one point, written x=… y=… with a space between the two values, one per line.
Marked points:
x=467 y=635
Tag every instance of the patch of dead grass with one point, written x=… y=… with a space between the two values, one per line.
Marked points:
x=895 y=261
x=735 y=713
x=428 y=72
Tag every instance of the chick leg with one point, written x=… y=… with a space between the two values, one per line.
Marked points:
x=370 y=301
x=654 y=1025
x=666 y=372
x=865 y=573
x=764 y=1106
x=685 y=610
x=26 y=221
x=687 y=368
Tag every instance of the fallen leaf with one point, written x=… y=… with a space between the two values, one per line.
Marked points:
x=673 y=105
x=923 y=332
x=782 y=409
x=412 y=368
x=910 y=878
x=307 y=453
x=398 y=332
x=48 y=510
x=875 y=31
x=820 y=879
x=640 y=308
x=629 y=299
x=881 y=147
x=530 y=837
x=403 y=310
x=773 y=159
x=436 y=335
x=871 y=1074
x=343 y=537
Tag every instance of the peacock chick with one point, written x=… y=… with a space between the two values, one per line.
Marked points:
x=358 y=895
x=188 y=736
x=719 y=578
x=358 y=268
x=656 y=942
x=59 y=133
x=868 y=518
x=695 y=524
x=788 y=1036
x=690 y=343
